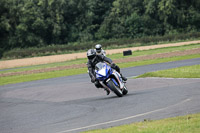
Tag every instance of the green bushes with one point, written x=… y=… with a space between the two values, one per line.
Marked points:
x=40 y=23
x=72 y=47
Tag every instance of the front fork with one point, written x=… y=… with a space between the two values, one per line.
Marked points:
x=121 y=83
x=119 y=79
x=105 y=86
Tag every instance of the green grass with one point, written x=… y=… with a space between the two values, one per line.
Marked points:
x=68 y=72
x=39 y=76
x=114 y=56
x=181 y=72
x=61 y=73
x=50 y=65
x=183 y=124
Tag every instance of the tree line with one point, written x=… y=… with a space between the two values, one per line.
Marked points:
x=39 y=23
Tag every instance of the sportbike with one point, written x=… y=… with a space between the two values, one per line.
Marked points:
x=110 y=79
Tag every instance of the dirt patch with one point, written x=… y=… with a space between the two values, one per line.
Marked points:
x=130 y=59
x=66 y=57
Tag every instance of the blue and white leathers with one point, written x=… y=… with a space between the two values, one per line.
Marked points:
x=107 y=76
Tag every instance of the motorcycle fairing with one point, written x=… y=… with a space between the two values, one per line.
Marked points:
x=104 y=72
x=118 y=77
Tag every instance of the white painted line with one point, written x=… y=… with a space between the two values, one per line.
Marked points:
x=127 y=118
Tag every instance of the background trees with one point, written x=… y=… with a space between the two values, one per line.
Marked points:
x=35 y=23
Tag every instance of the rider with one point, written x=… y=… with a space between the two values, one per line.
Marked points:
x=99 y=50
x=93 y=59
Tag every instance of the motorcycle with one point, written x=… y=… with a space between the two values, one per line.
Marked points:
x=110 y=79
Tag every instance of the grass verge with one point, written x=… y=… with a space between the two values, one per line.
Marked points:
x=39 y=76
x=68 y=72
x=180 y=72
x=114 y=56
x=183 y=124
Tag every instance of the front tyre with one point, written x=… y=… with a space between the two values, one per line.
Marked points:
x=125 y=90
x=115 y=88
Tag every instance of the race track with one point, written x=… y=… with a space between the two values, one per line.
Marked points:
x=73 y=104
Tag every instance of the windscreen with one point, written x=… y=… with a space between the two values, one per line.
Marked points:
x=100 y=65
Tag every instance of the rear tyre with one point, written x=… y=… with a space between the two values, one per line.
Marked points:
x=115 y=88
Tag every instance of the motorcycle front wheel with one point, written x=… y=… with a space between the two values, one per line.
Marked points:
x=115 y=88
x=125 y=90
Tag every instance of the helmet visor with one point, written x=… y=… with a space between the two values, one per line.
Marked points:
x=91 y=57
x=98 y=50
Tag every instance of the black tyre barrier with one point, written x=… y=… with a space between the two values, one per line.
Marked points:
x=128 y=52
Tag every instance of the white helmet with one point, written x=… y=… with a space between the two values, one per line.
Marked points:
x=98 y=48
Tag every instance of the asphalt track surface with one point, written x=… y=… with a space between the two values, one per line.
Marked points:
x=73 y=104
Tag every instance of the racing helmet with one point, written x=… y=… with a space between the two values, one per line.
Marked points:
x=91 y=54
x=98 y=48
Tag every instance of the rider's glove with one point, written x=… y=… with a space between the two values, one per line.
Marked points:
x=113 y=65
x=93 y=79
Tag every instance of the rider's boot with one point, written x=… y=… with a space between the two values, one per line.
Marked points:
x=98 y=85
x=107 y=91
x=124 y=78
